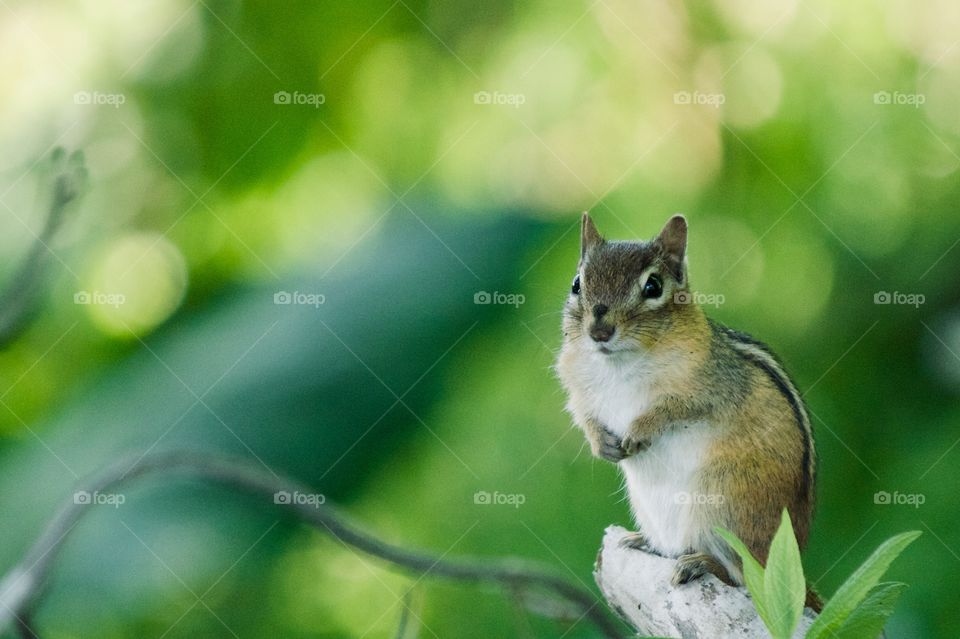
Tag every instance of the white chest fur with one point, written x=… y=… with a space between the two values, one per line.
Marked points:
x=613 y=391
x=664 y=488
x=663 y=481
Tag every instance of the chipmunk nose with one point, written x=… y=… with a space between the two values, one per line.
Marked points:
x=600 y=332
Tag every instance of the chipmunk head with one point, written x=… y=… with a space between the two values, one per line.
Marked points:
x=627 y=295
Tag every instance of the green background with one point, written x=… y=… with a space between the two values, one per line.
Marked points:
x=813 y=147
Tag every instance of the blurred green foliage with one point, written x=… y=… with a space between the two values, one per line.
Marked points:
x=813 y=146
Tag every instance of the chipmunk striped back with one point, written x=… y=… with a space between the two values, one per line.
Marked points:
x=759 y=354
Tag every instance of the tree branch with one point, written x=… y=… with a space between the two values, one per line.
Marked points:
x=22 y=586
x=637 y=585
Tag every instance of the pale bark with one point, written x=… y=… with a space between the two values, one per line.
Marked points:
x=637 y=585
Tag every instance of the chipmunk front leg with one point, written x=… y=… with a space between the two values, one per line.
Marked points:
x=603 y=443
x=648 y=426
x=641 y=432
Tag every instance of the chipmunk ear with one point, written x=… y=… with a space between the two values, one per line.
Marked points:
x=589 y=235
x=673 y=245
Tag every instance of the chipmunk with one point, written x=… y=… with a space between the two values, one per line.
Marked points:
x=703 y=421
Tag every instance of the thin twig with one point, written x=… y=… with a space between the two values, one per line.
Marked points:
x=520 y=618
x=25 y=627
x=406 y=607
x=18 y=300
x=23 y=584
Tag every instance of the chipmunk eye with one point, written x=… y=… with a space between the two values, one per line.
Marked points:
x=653 y=288
x=575 y=289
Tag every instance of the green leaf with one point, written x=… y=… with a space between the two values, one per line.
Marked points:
x=784 y=585
x=858 y=585
x=752 y=572
x=867 y=620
